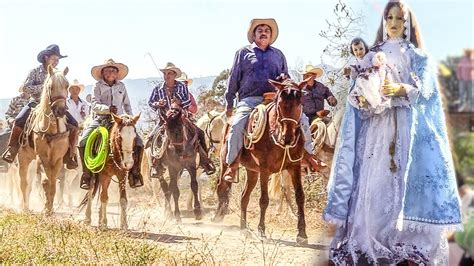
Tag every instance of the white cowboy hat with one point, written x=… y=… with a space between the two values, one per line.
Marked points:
x=75 y=83
x=97 y=70
x=184 y=77
x=310 y=69
x=259 y=21
x=171 y=67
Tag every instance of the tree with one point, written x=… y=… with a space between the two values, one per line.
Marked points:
x=213 y=98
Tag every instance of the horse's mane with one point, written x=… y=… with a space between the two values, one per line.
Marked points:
x=56 y=79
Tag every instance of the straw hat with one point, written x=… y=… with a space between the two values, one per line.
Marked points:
x=184 y=77
x=171 y=67
x=76 y=83
x=259 y=21
x=50 y=50
x=310 y=69
x=97 y=70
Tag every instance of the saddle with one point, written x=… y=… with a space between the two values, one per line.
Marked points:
x=258 y=120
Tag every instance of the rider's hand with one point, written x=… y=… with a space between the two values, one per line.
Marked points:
x=282 y=77
x=394 y=89
x=332 y=101
x=228 y=113
x=113 y=109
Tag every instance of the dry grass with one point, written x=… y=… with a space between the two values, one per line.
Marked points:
x=34 y=239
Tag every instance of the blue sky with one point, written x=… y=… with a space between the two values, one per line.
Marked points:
x=200 y=37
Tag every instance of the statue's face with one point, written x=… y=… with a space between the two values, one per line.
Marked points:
x=394 y=25
x=359 y=50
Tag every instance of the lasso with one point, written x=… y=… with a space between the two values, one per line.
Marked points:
x=97 y=163
x=258 y=126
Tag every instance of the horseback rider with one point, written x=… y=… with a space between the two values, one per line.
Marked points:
x=33 y=85
x=77 y=107
x=110 y=96
x=253 y=66
x=16 y=105
x=161 y=99
x=315 y=93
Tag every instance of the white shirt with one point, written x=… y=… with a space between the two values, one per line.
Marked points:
x=79 y=111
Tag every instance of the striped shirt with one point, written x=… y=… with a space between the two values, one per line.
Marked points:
x=180 y=91
x=104 y=96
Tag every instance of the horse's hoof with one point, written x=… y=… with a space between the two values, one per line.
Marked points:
x=198 y=214
x=102 y=227
x=87 y=222
x=247 y=233
x=302 y=240
x=178 y=220
x=124 y=228
x=217 y=219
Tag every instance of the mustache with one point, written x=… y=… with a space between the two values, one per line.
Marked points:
x=263 y=36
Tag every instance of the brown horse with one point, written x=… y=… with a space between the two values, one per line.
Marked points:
x=122 y=144
x=180 y=152
x=280 y=148
x=47 y=137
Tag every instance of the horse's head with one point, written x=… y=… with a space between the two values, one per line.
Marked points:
x=175 y=111
x=122 y=139
x=55 y=91
x=288 y=110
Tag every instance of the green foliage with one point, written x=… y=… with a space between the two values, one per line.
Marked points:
x=214 y=97
x=464 y=148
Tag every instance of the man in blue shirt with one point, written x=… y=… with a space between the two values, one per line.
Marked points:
x=253 y=66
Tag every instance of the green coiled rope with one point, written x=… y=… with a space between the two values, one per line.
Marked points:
x=95 y=160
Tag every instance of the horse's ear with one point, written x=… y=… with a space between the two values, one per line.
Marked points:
x=116 y=118
x=303 y=83
x=277 y=85
x=135 y=118
x=65 y=71
x=50 y=70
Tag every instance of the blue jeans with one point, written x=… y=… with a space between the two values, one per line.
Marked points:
x=239 y=123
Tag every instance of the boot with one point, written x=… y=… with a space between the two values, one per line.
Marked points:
x=70 y=158
x=135 y=178
x=86 y=174
x=231 y=172
x=314 y=164
x=13 y=145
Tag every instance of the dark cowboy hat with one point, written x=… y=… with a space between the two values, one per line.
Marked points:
x=50 y=50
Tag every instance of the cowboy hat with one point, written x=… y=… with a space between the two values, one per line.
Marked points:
x=259 y=21
x=171 y=67
x=184 y=77
x=97 y=70
x=50 y=50
x=310 y=69
x=76 y=83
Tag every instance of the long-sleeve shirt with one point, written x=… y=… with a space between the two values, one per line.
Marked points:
x=16 y=104
x=313 y=98
x=34 y=82
x=104 y=96
x=465 y=69
x=180 y=91
x=252 y=69
x=79 y=110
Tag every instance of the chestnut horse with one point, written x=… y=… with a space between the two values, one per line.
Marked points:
x=280 y=148
x=122 y=144
x=46 y=137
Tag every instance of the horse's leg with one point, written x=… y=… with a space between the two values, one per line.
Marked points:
x=38 y=177
x=250 y=183
x=61 y=180
x=295 y=173
x=223 y=190
x=175 y=191
x=189 y=202
x=88 y=218
x=195 y=189
x=49 y=184
x=286 y=190
x=264 y=200
x=167 y=193
x=23 y=166
x=123 y=204
x=104 y=198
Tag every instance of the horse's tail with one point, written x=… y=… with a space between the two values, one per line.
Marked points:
x=85 y=200
x=274 y=188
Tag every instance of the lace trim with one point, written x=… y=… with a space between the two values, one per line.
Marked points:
x=413 y=224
